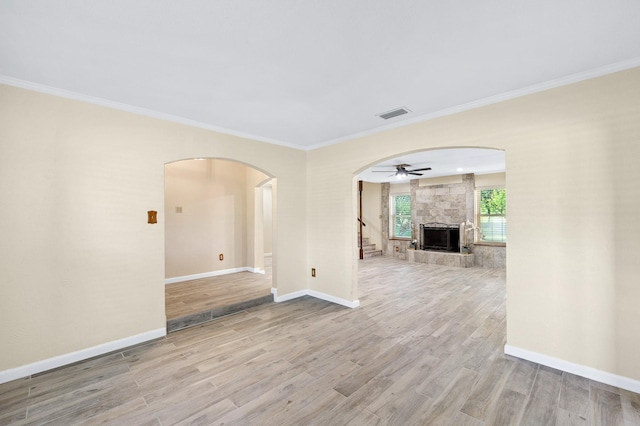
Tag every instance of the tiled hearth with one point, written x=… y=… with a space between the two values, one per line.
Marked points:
x=445 y=258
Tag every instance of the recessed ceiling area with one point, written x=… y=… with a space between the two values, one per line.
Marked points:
x=307 y=74
x=443 y=162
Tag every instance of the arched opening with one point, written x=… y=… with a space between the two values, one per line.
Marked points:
x=214 y=239
x=427 y=207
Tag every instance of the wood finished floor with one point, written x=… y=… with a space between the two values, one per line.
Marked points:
x=425 y=347
x=205 y=294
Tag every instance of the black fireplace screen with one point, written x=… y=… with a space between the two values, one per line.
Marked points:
x=440 y=236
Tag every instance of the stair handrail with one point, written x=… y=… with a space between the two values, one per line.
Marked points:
x=360 y=186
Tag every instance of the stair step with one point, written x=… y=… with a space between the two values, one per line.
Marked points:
x=210 y=315
x=369 y=249
x=373 y=253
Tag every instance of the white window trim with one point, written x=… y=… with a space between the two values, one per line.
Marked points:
x=477 y=215
x=392 y=217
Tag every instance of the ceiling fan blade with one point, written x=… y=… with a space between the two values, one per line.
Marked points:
x=381 y=171
x=420 y=170
x=412 y=173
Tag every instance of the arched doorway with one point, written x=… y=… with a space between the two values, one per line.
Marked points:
x=439 y=187
x=214 y=252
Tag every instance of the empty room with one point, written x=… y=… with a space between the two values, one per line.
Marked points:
x=450 y=231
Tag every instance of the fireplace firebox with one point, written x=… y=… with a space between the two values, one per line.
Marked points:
x=440 y=236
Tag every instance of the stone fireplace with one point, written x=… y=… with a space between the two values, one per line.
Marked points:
x=443 y=204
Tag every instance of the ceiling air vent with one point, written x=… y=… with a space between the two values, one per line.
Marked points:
x=394 y=113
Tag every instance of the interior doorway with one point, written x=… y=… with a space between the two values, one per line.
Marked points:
x=443 y=188
x=215 y=239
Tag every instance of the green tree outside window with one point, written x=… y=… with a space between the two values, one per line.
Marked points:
x=492 y=217
x=401 y=216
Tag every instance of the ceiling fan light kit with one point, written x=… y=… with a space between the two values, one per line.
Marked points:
x=402 y=172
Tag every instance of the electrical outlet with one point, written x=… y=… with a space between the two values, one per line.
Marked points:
x=221 y=257
x=178 y=209
x=313 y=272
x=397 y=248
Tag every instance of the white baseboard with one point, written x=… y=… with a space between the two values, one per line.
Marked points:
x=333 y=299
x=288 y=296
x=317 y=295
x=212 y=274
x=70 y=358
x=577 y=369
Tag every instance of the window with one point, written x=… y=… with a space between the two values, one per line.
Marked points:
x=400 y=219
x=491 y=214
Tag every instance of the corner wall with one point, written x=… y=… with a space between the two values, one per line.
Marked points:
x=82 y=271
x=216 y=202
x=574 y=194
x=372 y=213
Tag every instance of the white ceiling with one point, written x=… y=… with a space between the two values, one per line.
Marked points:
x=309 y=73
x=443 y=162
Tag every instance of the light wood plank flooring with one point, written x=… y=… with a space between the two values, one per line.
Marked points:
x=191 y=297
x=199 y=301
x=425 y=347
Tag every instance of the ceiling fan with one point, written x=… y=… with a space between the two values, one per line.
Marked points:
x=401 y=171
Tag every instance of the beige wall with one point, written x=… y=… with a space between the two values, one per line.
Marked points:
x=440 y=180
x=267 y=207
x=254 y=244
x=400 y=188
x=490 y=180
x=216 y=197
x=371 y=212
x=574 y=197
x=80 y=266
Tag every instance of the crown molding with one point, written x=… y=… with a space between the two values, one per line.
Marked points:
x=552 y=84
x=36 y=87
x=529 y=90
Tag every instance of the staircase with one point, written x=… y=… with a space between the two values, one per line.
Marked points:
x=370 y=249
